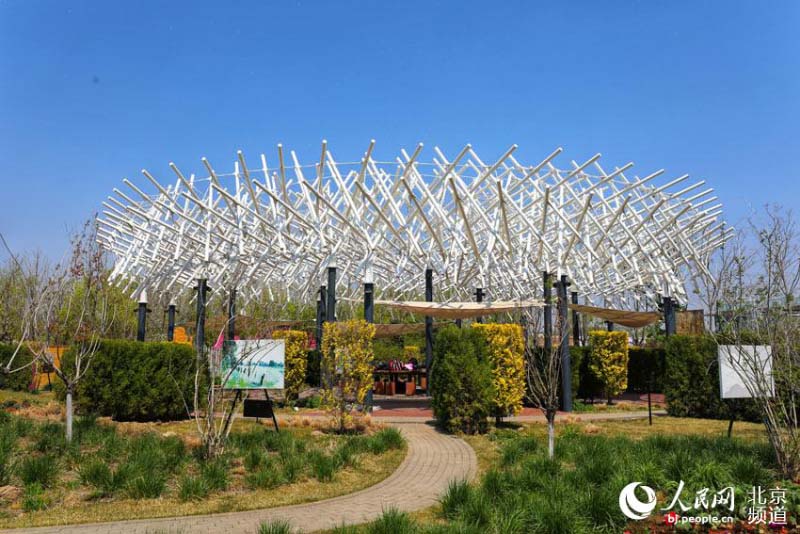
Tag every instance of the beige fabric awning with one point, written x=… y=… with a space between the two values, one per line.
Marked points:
x=631 y=319
x=458 y=310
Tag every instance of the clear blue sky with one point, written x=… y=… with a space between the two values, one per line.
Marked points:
x=91 y=92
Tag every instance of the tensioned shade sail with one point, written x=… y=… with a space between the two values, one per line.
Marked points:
x=459 y=310
x=631 y=319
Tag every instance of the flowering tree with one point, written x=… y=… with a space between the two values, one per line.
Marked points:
x=505 y=344
x=296 y=360
x=346 y=355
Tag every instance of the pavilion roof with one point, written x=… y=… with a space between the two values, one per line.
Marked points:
x=497 y=225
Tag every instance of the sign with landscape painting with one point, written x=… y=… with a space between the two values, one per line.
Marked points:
x=253 y=364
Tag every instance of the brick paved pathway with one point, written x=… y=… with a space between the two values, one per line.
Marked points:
x=433 y=460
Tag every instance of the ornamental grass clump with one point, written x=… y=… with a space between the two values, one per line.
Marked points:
x=609 y=360
x=346 y=369
x=506 y=351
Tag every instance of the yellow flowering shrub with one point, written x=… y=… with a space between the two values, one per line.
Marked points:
x=609 y=360
x=505 y=348
x=296 y=360
x=346 y=368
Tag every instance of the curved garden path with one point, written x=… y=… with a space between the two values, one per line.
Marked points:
x=433 y=460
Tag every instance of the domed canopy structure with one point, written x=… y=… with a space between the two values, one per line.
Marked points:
x=496 y=225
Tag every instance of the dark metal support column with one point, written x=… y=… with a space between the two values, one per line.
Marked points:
x=669 y=316
x=320 y=316
x=232 y=315
x=369 y=316
x=479 y=298
x=141 y=317
x=548 y=314
x=428 y=330
x=330 y=311
x=171 y=322
x=566 y=361
x=200 y=329
x=576 y=323
x=369 y=302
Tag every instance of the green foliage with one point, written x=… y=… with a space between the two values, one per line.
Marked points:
x=38 y=469
x=461 y=380
x=577 y=492
x=33 y=498
x=323 y=467
x=19 y=380
x=457 y=495
x=7 y=444
x=691 y=382
x=346 y=365
x=277 y=526
x=505 y=349
x=384 y=440
x=135 y=381
x=609 y=360
x=392 y=521
x=192 y=488
x=296 y=360
x=215 y=473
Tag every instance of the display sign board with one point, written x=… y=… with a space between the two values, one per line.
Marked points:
x=253 y=364
x=739 y=368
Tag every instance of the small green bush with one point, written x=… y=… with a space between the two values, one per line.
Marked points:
x=146 y=485
x=215 y=473
x=192 y=488
x=691 y=382
x=267 y=477
x=19 y=380
x=278 y=526
x=135 y=381
x=384 y=440
x=457 y=494
x=323 y=466
x=461 y=380
x=392 y=521
x=39 y=469
x=33 y=498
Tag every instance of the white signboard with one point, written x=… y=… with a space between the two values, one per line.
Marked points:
x=741 y=366
x=253 y=364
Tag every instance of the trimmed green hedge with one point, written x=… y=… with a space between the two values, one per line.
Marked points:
x=691 y=382
x=461 y=380
x=137 y=381
x=20 y=380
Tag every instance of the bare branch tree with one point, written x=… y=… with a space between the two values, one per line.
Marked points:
x=543 y=370
x=773 y=320
x=70 y=306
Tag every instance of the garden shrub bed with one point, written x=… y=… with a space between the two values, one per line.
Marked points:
x=110 y=473
x=137 y=381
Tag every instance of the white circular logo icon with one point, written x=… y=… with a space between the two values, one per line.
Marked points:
x=631 y=506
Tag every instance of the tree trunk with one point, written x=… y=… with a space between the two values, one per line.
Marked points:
x=69 y=414
x=551 y=434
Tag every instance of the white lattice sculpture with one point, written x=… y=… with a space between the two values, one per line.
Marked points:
x=495 y=226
